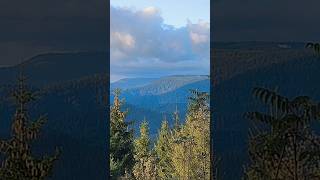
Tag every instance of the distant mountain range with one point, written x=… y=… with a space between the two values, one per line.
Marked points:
x=232 y=59
x=129 y=83
x=158 y=98
x=51 y=68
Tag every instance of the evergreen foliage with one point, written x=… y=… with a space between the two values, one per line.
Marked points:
x=163 y=151
x=121 y=140
x=191 y=148
x=180 y=152
x=145 y=165
x=18 y=162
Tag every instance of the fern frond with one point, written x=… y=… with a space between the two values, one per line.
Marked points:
x=272 y=98
x=260 y=117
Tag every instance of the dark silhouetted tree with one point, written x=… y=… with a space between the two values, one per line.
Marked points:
x=18 y=161
x=282 y=145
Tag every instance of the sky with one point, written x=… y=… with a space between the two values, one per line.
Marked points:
x=30 y=28
x=168 y=43
x=150 y=39
x=266 y=20
x=173 y=12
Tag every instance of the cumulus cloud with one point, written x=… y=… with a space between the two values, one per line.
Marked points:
x=200 y=33
x=122 y=40
x=150 y=11
x=142 y=45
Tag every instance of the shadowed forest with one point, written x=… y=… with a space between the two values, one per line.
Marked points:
x=17 y=160
x=52 y=124
x=40 y=143
x=266 y=111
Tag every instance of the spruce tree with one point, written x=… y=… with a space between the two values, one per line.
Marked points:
x=163 y=151
x=191 y=148
x=19 y=162
x=182 y=154
x=121 y=140
x=145 y=165
x=198 y=125
x=176 y=119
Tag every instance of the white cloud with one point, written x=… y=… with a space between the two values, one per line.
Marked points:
x=200 y=32
x=122 y=40
x=150 y=11
x=198 y=38
x=141 y=44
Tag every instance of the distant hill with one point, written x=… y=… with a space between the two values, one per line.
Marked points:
x=232 y=59
x=57 y=67
x=261 y=45
x=130 y=83
x=160 y=97
x=165 y=90
x=165 y=84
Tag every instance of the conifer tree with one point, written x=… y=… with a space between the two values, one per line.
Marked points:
x=145 y=165
x=198 y=124
x=176 y=119
x=121 y=140
x=182 y=154
x=163 y=151
x=18 y=162
x=191 y=149
x=151 y=167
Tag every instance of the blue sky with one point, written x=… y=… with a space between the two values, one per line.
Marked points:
x=157 y=38
x=174 y=12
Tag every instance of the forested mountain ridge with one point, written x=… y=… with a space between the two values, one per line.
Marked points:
x=160 y=98
x=165 y=85
x=169 y=89
x=50 y=68
x=232 y=59
x=129 y=83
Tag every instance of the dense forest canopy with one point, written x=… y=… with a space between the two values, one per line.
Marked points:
x=178 y=152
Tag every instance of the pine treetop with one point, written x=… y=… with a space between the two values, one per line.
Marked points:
x=19 y=163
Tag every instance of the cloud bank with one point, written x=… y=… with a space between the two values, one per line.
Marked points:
x=141 y=45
